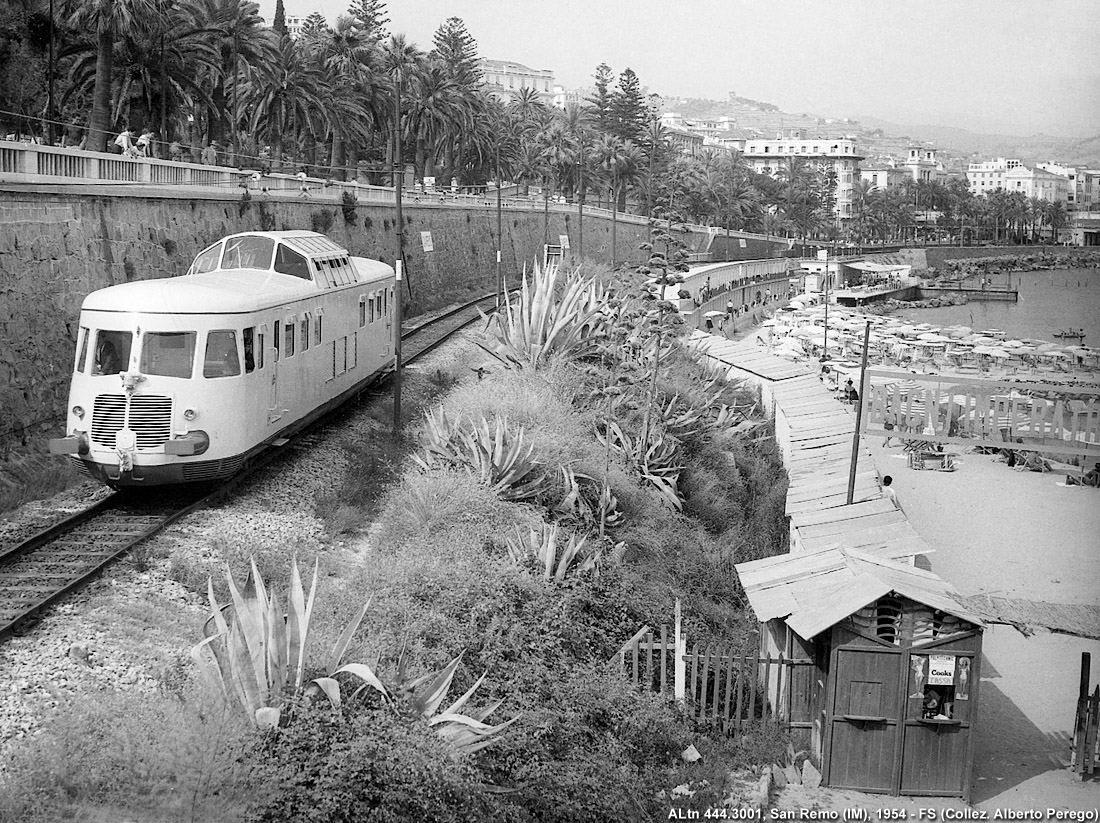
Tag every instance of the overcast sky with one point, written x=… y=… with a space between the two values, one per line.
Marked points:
x=1011 y=66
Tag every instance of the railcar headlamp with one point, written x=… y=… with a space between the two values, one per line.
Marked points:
x=79 y=412
x=190 y=414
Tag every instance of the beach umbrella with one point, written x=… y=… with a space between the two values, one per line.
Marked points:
x=998 y=353
x=714 y=314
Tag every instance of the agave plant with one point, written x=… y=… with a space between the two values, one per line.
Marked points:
x=575 y=504
x=466 y=733
x=542 y=323
x=542 y=546
x=258 y=657
x=653 y=457
x=497 y=455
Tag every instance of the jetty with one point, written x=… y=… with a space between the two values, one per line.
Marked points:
x=1005 y=295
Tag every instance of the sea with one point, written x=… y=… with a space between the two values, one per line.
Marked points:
x=1049 y=301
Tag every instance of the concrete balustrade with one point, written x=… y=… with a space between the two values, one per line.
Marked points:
x=32 y=163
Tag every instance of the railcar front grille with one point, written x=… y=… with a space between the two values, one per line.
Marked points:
x=213 y=469
x=150 y=419
x=108 y=415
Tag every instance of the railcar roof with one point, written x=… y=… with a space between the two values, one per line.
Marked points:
x=218 y=292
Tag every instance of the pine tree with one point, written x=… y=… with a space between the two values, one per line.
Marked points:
x=457 y=49
x=280 y=18
x=314 y=25
x=370 y=18
x=628 y=111
x=602 y=100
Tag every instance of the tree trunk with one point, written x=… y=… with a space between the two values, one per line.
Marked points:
x=99 y=125
x=339 y=172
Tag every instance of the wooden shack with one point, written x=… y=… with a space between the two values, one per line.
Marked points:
x=893 y=689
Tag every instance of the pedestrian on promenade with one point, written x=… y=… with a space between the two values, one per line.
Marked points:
x=305 y=186
x=124 y=143
x=145 y=142
x=209 y=155
x=175 y=151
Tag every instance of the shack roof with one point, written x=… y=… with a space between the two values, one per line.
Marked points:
x=814 y=590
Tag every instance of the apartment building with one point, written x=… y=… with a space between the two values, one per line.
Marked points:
x=1038 y=183
x=883 y=176
x=826 y=154
x=922 y=165
x=990 y=175
x=504 y=79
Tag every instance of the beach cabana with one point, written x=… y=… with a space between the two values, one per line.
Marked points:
x=892 y=663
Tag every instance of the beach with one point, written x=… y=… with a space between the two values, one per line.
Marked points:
x=1029 y=538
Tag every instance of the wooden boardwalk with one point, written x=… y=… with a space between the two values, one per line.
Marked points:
x=815 y=432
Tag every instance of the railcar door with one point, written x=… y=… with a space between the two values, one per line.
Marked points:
x=864 y=719
x=273 y=411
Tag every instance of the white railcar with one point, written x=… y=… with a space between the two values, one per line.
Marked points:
x=184 y=379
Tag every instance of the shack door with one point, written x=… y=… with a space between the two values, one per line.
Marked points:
x=864 y=719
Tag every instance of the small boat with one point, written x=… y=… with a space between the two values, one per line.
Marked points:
x=996 y=334
x=1072 y=334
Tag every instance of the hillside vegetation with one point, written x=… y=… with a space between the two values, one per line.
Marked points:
x=459 y=667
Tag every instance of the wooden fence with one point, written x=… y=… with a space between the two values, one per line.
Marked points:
x=726 y=686
x=1086 y=748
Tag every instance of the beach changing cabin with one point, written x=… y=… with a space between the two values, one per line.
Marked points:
x=894 y=661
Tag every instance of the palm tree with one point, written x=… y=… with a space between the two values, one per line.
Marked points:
x=289 y=103
x=106 y=20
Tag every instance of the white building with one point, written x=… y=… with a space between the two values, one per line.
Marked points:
x=990 y=175
x=504 y=79
x=838 y=155
x=1039 y=183
x=922 y=165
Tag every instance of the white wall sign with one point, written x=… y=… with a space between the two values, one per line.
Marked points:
x=564 y=240
x=941 y=670
x=426 y=241
x=742 y=242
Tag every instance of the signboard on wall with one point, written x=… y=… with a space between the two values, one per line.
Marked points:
x=742 y=243
x=426 y=241
x=941 y=670
x=563 y=239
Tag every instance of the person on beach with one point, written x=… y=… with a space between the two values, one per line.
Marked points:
x=888 y=491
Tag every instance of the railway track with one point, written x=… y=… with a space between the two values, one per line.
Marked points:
x=38 y=570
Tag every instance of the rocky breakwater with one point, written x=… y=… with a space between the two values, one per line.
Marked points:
x=961 y=269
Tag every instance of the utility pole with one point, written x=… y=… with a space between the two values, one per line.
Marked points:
x=50 y=125
x=825 y=348
x=859 y=414
x=580 y=212
x=398 y=179
x=500 y=240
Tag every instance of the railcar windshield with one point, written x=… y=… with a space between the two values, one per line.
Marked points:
x=112 y=352
x=248 y=252
x=168 y=354
x=207 y=260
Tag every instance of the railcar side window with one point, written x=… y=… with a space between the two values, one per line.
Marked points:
x=249 y=338
x=112 y=352
x=288 y=261
x=275 y=343
x=82 y=349
x=370 y=311
x=305 y=333
x=288 y=340
x=207 y=260
x=259 y=350
x=168 y=354
x=317 y=330
x=249 y=252
x=221 y=355
x=362 y=312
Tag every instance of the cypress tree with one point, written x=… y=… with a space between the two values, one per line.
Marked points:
x=280 y=18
